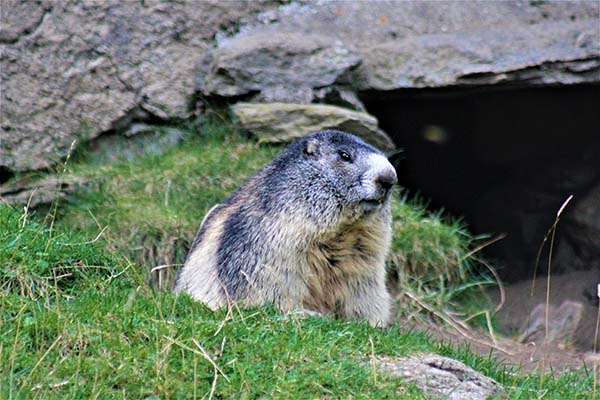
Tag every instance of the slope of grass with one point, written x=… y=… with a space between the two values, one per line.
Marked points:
x=36 y=259
x=151 y=207
x=111 y=336
x=78 y=319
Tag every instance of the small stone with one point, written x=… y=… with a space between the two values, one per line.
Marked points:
x=441 y=377
x=41 y=192
x=562 y=323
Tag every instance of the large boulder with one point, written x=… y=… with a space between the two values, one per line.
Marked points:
x=557 y=52
x=415 y=45
x=71 y=70
x=264 y=61
x=285 y=122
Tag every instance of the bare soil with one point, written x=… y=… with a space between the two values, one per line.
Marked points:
x=528 y=357
x=514 y=315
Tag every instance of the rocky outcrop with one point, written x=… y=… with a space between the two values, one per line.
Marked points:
x=264 y=62
x=284 y=122
x=338 y=52
x=71 y=70
x=441 y=377
x=412 y=45
x=559 y=52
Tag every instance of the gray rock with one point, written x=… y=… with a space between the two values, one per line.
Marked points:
x=419 y=44
x=582 y=228
x=364 y=24
x=592 y=358
x=285 y=94
x=339 y=96
x=333 y=95
x=441 y=377
x=74 y=69
x=284 y=122
x=139 y=139
x=562 y=323
x=525 y=303
x=257 y=62
x=41 y=192
x=544 y=53
x=20 y=18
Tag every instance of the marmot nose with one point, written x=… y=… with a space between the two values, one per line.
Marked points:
x=387 y=179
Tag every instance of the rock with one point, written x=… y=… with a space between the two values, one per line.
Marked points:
x=339 y=96
x=441 y=377
x=284 y=122
x=573 y=309
x=416 y=45
x=285 y=94
x=72 y=70
x=25 y=18
x=258 y=62
x=592 y=359
x=41 y=192
x=541 y=54
x=582 y=231
x=332 y=95
x=562 y=323
x=138 y=139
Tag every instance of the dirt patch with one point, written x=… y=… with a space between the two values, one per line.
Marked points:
x=515 y=317
x=528 y=357
x=523 y=297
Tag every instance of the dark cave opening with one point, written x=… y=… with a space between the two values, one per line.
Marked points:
x=506 y=159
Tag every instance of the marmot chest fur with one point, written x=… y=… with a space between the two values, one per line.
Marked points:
x=310 y=230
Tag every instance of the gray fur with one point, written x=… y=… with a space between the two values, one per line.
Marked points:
x=310 y=230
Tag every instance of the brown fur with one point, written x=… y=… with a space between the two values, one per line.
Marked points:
x=324 y=253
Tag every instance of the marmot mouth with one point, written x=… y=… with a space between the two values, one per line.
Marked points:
x=373 y=203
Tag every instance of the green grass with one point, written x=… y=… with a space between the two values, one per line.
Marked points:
x=108 y=335
x=79 y=320
x=37 y=260
x=151 y=208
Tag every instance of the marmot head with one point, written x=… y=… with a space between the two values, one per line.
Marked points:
x=360 y=176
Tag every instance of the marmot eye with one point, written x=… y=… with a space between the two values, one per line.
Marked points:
x=345 y=156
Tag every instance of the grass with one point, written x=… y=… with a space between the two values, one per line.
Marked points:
x=37 y=260
x=108 y=335
x=79 y=320
x=151 y=208
x=431 y=255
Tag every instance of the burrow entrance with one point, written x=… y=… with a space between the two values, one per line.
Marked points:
x=505 y=159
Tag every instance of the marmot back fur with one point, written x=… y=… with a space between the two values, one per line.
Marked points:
x=310 y=230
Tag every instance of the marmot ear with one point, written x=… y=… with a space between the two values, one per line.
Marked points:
x=311 y=147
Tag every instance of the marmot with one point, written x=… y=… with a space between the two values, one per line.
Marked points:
x=310 y=230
